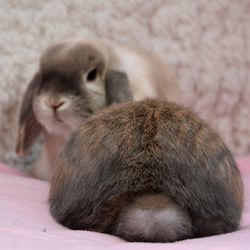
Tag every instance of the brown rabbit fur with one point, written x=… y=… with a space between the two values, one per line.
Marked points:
x=75 y=79
x=147 y=171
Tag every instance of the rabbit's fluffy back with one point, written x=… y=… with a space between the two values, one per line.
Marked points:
x=134 y=149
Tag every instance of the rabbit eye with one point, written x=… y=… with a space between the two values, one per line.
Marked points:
x=91 y=76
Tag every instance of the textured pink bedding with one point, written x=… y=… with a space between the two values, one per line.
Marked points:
x=25 y=222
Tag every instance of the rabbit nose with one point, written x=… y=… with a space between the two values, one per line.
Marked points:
x=55 y=104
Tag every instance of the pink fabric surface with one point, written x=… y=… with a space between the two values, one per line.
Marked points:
x=10 y=170
x=25 y=222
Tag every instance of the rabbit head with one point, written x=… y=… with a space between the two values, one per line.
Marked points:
x=71 y=84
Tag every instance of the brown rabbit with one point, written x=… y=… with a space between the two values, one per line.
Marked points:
x=147 y=171
x=75 y=79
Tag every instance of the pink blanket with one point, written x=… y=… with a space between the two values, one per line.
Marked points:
x=25 y=222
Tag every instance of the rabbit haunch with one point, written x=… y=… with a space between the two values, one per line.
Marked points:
x=74 y=80
x=147 y=171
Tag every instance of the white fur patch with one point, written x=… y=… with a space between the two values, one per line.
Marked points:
x=97 y=93
x=164 y=225
x=151 y=221
x=136 y=68
x=45 y=114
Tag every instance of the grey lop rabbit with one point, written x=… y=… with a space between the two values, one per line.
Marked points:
x=75 y=79
x=147 y=171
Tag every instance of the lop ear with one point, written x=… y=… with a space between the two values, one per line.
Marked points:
x=28 y=127
x=117 y=87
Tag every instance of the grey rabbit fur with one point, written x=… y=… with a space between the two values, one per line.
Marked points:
x=149 y=171
x=71 y=84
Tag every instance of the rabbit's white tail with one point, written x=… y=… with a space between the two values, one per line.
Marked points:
x=153 y=218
